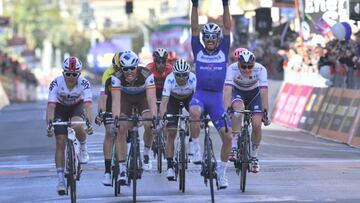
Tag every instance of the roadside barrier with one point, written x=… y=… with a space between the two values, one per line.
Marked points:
x=329 y=112
x=3 y=97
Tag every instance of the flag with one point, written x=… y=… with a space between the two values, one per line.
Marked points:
x=322 y=26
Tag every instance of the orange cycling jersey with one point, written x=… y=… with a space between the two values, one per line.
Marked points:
x=159 y=77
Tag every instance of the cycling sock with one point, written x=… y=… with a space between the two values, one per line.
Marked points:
x=170 y=163
x=107 y=165
x=196 y=140
x=83 y=144
x=254 y=150
x=60 y=174
x=234 y=141
x=122 y=166
x=223 y=164
x=146 y=150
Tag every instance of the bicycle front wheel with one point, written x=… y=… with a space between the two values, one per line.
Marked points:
x=71 y=181
x=134 y=165
x=244 y=164
x=182 y=162
x=209 y=165
x=159 y=143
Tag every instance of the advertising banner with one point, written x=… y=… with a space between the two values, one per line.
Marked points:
x=312 y=107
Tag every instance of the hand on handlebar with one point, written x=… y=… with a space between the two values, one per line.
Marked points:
x=89 y=128
x=265 y=119
x=99 y=118
x=50 y=129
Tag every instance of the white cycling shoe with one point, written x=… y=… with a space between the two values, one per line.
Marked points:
x=197 y=153
x=84 y=155
x=170 y=174
x=107 y=179
x=221 y=176
x=61 y=187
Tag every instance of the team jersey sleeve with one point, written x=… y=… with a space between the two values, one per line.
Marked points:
x=229 y=79
x=263 y=80
x=107 y=74
x=150 y=82
x=107 y=86
x=193 y=81
x=53 y=88
x=225 y=45
x=167 y=86
x=85 y=84
x=115 y=83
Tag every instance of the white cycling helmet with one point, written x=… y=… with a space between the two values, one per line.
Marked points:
x=247 y=58
x=237 y=52
x=72 y=64
x=181 y=66
x=160 y=53
x=211 y=28
x=129 y=59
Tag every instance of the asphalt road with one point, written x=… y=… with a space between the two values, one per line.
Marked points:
x=295 y=167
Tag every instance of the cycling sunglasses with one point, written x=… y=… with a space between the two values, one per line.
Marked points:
x=129 y=68
x=210 y=36
x=74 y=75
x=247 y=67
x=160 y=60
x=181 y=75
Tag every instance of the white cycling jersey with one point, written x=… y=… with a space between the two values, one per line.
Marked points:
x=258 y=77
x=59 y=92
x=172 y=88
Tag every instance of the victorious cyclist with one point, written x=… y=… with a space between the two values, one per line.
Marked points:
x=160 y=68
x=133 y=86
x=105 y=114
x=69 y=95
x=246 y=86
x=179 y=87
x=210 y=63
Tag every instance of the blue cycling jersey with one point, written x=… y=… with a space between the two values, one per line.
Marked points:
x=210 y=68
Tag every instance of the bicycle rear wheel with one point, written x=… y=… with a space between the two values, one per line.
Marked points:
x=182 y=162
x=209 y=165
x=71 y=181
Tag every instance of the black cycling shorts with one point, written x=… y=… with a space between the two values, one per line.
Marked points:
x=173 y=107
x=65 y=113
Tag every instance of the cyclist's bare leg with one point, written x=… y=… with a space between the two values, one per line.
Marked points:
x=236 y=118
x=195 y=114
x=79 y=129
x=60 y=151
x=107 y=145
x=256 y=129
x=121 y=145
x=226 y=138
x=148 y=133
x=171 y=135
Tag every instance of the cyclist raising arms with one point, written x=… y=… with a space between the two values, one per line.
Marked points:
x=105 y=115
x=133 y=86
x=210 y=63
x=160 y=68
x=179 y=87
x=69 y=95
x=246 y=85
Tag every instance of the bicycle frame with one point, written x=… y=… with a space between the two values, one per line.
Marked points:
x=72 y=163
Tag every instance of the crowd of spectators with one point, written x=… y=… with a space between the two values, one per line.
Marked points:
x=13 y=73
x=315 y=55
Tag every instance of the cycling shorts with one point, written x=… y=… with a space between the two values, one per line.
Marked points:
x=173 y=107
x=128 y=101
x=251 y=99
x=211 y=103
x=64 y=113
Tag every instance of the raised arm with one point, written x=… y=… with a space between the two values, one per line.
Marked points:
x=195 y=31
x=226 y=18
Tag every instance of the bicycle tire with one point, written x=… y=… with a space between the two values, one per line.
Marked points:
x=244 y=160
x=134 y=165
x=115 y=174
x=182 y=162
x=159 y=151
x=209 y=164
x=71 y=181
